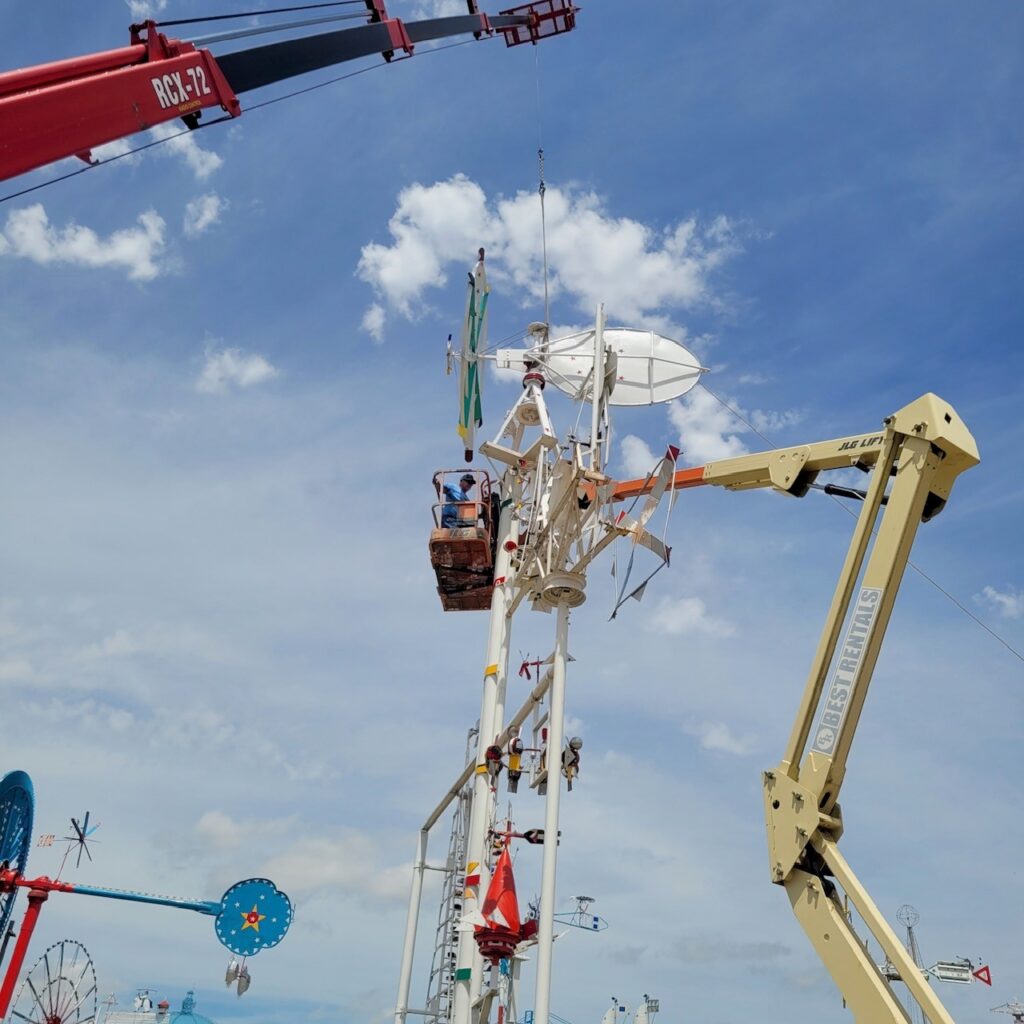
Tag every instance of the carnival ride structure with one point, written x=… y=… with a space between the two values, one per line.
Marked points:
x=557 y=515
x=251 y=916
x=59 y=989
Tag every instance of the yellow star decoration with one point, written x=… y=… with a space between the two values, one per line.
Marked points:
x=252 y=918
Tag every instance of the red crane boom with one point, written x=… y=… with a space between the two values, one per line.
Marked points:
x=68 y=107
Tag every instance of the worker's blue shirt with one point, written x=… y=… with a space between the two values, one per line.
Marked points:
x=450 y=513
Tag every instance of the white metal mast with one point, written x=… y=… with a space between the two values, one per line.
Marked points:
x=469 y=964
x=554 y=520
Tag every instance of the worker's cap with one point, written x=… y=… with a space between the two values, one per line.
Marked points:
x=467 y=478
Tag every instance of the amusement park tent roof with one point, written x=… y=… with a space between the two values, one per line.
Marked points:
x=146 y=1014
x=187 y=1014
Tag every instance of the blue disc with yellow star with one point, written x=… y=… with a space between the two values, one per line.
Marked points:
x=254 y=915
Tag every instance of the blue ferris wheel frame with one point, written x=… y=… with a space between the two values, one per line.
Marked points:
x=17 y=808
x=251 y=916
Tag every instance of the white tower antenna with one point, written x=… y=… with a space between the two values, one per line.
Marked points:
x=555 y=519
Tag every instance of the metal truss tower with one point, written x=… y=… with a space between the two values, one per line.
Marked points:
x=441 y=986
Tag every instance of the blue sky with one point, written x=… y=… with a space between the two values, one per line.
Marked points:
x=222 y=403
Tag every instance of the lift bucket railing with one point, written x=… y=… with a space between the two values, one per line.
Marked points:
x=475 y=512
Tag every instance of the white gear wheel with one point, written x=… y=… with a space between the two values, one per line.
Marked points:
x=60 y=988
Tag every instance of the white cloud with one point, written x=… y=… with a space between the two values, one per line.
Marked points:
x=222 y=833
x=156 y=641
x=180 y=143
x=771 y=421
x=432 y=226
x=15 y=669
x=350 y=864
x=142 y=9
x=718 y=736
x=30 y=235
x=84 y=715
x=1009 y=602
x=203 y=162
x=707 y=430
x=682 y=616
x=202 y=212
x=373 y=322
x=754 y=378
x=709 y=949
x=593 y=256
x=110 y=150
x=439 y=8
x=231 y=367
x=119 y=644
x=636 y=457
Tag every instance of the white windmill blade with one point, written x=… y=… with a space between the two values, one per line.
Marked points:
x=663 y=477
x=643 y=368
x=474 y=919
x=644 y=538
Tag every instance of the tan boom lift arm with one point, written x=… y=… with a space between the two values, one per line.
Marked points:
x=922 y=449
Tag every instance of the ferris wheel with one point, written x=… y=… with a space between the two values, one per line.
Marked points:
x=60 y=988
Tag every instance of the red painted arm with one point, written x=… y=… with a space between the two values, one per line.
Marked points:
x=68 y=107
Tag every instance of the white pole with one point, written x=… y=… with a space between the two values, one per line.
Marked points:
x=556 y=718
x=501 y=638
x=597 y=394
x=411 y=921
x=468 y=964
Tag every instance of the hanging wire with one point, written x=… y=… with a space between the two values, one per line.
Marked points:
x=103 y=163
x=258 y=14
x=541 y=187
x=544 y=237
x=913 y=565
x=263 y=30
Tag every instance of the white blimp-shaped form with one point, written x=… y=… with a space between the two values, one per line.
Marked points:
x=641 y=367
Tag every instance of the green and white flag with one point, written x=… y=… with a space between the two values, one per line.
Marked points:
x=474 y=339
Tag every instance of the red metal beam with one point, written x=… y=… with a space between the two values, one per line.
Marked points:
x=65 y=70
x=68 y=107
x=36 y=899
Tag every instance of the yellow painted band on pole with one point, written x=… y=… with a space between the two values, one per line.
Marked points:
x=481 y=769
x=491 y=670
